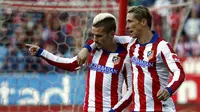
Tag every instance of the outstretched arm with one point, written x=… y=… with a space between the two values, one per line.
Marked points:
x=69 y=64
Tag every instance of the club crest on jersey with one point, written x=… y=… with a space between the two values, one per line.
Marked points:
x=150 y=54
x=116 y=60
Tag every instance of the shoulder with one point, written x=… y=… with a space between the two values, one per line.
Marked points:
x=164 y=46
x=132 y=43
x=162 y=43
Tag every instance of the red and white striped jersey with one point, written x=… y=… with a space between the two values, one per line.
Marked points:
x=151 y=64
x=105 y=77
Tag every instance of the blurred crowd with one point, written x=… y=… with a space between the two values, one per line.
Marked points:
x=189 y=42
x=58 y=33
x=64 y=33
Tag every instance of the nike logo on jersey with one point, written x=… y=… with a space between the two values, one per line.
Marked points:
x=104 y=69
x=141 y=63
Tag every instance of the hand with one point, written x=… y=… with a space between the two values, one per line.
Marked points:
x=82 y=56
x=163 y=94
x=33 y=49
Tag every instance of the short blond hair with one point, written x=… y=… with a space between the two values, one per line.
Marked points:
x=98 y=18
x=106 y=20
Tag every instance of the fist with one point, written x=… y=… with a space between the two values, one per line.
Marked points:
x=163 y=94
x=33 y=49
x=82 y=56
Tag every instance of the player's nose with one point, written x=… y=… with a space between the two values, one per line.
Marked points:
x=127 y=27
x=95 y=39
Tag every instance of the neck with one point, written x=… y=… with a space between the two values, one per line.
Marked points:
x=111 y=47
x=145 y=37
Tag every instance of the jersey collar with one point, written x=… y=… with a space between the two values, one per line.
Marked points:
x=153 y=39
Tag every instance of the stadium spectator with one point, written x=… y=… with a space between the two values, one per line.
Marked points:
x=174 y=20
x=183 y=47
x=192 y=25
x=107 y=68
x=67 y=27
x=152 y=58
x=160 y=3
x=134 y=2
x=195 y=47
x=147 y=3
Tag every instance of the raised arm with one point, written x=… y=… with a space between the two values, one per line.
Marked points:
x=69 y=64
x=127 y=97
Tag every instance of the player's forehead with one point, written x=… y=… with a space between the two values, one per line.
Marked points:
x=98 y=30
x=130 y=16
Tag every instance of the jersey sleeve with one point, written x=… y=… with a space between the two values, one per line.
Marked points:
x=172 y=62
x=122 y=39
x=69 y=64
x=90 y=45
x=127 y=97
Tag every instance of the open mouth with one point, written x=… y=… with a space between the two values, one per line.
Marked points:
x=97 y=44
x=130 y=31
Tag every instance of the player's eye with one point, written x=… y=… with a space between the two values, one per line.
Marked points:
x=97 y=35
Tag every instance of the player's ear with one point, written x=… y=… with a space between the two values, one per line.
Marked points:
x=144 y=22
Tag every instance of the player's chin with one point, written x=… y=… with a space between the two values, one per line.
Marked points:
x=98 y=47
x=132 y=34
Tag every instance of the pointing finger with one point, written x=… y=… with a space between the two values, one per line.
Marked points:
x=29 y=45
